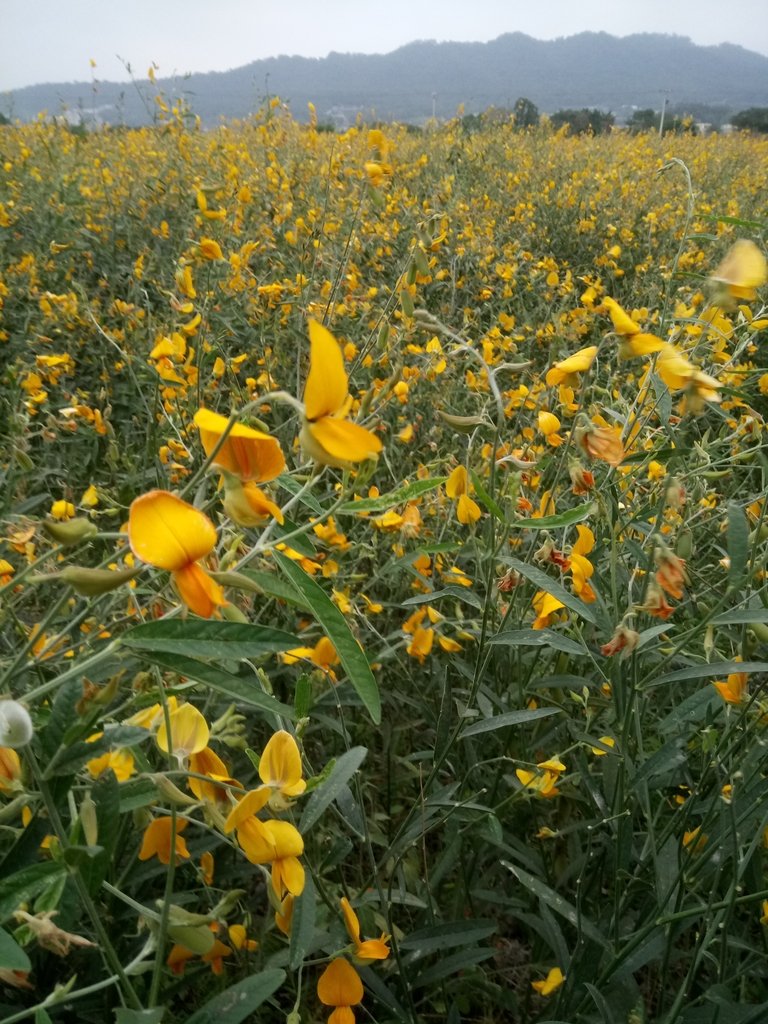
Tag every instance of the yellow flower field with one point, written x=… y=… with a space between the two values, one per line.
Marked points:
x=383 y=552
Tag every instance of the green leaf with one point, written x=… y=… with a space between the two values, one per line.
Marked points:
x=737 y=541
x=126 y=1016
x=558 y=522
x=12 y=956
x=715 y=668
x=299 y=541
x=326 y=793
x=507 y=719
x=739 y=616
x=294 y=487
x=544 y=582
x=485 y=498
x=238 y=1001
x=272 y=586
x=302 y=924
x=457 y=593
x=557 y=903
x=24 y=885
x=538 y=638
x=67 y=760
x=333 y=622
x=446 y=936
x=398 y=497
x=237 y=688
x=663 y=765
x=208 y=639
x=448 y=965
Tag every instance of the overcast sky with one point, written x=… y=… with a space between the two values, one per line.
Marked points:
x=54 y=40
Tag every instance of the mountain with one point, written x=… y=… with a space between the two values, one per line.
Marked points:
x=591 y=69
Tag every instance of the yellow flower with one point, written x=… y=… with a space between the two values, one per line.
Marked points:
x=209 y=249
x=458 y=486
x=742 y=271
x=158 y=837
x=247 y=505
x=10 y=770
x=168 y=533
x=581 y=568
x=326 y=435
x=189 y=732
x=421 y=643
x=734 y=689
x=623 y=324
x=246 y=453
x=370 y=949
x=607 y=741
x=62 y=510
x=551 y=983
x=545 y=606
x=340 y=986
x=323 y=654
x=563 y=372
x=280 y=765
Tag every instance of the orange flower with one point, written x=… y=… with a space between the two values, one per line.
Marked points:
x=157 y=840
x=370 y=949
x=245 y=453
x=656 y=603
x=168 y=533
x=601 y=443
x=624 y=639
x=340 y=986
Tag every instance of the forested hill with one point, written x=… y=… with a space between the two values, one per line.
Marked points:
x=591 y=69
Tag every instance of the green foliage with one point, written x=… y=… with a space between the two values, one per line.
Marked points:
x=754 y=119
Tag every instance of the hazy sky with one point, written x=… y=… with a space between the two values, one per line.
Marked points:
x=53 y=40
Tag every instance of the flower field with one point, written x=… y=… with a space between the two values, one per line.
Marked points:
x=383 y=595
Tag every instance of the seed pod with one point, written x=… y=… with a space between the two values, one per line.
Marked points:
x=89 y=821
x=92 y=582
x=463 y=424
x=71 y=532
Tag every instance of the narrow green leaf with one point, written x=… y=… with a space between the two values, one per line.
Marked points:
x=464 y=594
x=300 y=542
x=326 y=793
x=543 y=582
x=203 y=638
x=273 y=586
x=507 y=719
x=125 y=1016
x=240 y=1000
x=12 y=956
x=294 y=487
x=446 y=936
x=737 y=541
x=715 y=668
x=333 y=622
x=557 y=903
x=398 y=497
x=486 y=499
x=237 y=688
x=538 y=638
x=558 y=522
x=448 y=965
x=739 y=616
x=302 y=924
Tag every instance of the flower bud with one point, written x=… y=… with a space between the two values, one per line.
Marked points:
x=15 y=724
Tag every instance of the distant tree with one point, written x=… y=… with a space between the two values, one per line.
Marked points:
x=648 y=121
x=4 y=119
x=754 y=119
x=643 y=121
x=582 y=121
x=526 y=113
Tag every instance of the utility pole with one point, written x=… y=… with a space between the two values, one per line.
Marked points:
x=663 y=111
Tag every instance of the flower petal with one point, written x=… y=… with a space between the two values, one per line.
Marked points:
x=168 y=533
x=248 y=453
x=326 y=389
x=340 y=443
x=201 y=594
